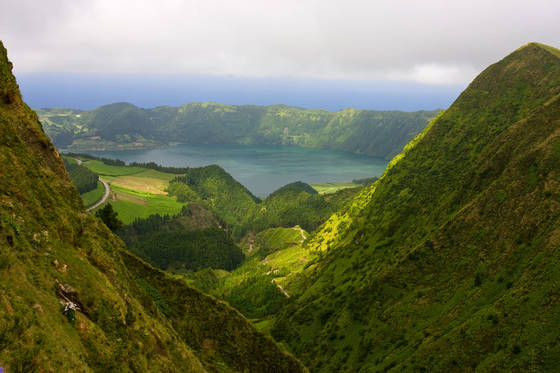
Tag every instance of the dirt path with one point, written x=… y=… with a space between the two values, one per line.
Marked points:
x=303 y=237
x=281 y=289
x=105 y=196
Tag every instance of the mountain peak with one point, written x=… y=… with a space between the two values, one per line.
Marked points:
x=9 y=90
x=427 y=264
x=535 y=45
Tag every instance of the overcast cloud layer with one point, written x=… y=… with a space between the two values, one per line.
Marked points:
x=436 y=42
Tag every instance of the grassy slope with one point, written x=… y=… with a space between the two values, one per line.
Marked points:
x=297 y=204
x=132 y=204
x=221 y=192
x=277 y=256
x=327 y=188
x=103 y=169
x=91 y=197
x=133 y=317
x=449 y=262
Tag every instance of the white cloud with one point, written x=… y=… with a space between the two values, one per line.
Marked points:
x=432 y=41
x=433 y=73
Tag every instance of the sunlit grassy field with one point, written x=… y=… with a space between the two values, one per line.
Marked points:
x=288 y=257
x=327 y=188
x=147 y=180
x=102 y=169
x=131 y=204
x=135 y=178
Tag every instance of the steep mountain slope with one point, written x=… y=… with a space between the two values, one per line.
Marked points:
x=450 y=261
x=55 y=257
x=376 y=133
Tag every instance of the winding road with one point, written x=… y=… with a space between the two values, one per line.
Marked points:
x=105 y=196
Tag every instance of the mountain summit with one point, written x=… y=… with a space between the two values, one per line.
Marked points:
x=450 y=261
x=72 y=298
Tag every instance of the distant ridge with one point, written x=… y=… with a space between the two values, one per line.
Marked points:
x=123 y=126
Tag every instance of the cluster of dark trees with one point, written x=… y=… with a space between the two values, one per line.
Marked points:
x=83 y=179
x=165 y=242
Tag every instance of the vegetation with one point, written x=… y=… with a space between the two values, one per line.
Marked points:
x=104 y=169
x=275 y=257
x=190 y=250
x=190 y=240
x=331 y=187
x=194 y=245
x=376 y=133
x=83 y=179
x=171 y=239
x=131 y=204
x=219 y=192
x=109 y=217
x=295 y=204
x=136 y=192
x=365 y=180
x=127 y=316
x=449 y=261
x=92 y=197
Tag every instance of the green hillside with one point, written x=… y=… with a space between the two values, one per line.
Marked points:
x=73 y=299
x=449 y=262
x=190 y=240
x=122 y=125
x=220 y=191
x=274 y=257
x=297 y=204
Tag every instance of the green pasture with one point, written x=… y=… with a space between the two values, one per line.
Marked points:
x=131 y=204
x=327 y=188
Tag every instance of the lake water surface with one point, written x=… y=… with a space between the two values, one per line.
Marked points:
x=261 y=168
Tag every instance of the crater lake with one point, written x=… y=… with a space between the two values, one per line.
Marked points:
x=260 y=168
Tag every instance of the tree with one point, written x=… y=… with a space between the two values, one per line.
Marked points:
x=109 y=217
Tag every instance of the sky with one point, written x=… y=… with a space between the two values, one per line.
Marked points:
x=366 y=54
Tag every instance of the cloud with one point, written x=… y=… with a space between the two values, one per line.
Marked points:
x=432 y=73
x=442 y=42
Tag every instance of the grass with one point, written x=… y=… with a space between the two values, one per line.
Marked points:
x=264 y=325
x=131 y=204
x=273 y=239
x=433 y=267
x=93 y=196
x=70 y=160
x=136 y=192
x=102 y=169
x=147 y=180
x=328 y=188
x=288 y=262
x=252 y=288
